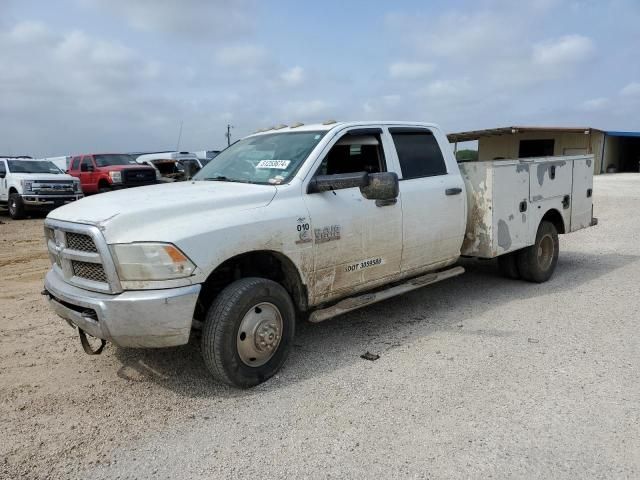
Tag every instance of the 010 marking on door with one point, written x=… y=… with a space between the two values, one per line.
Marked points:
x=304 y=231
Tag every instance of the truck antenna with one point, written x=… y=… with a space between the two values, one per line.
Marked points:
x=179 y=136
x=228 y=134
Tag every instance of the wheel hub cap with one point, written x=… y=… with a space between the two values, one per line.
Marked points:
x=545 y=252
x=259 y=334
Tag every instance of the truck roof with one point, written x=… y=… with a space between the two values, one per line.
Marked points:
x=315 y=127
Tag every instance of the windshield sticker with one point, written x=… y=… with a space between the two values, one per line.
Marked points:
x=277 y=180
x=278 y=164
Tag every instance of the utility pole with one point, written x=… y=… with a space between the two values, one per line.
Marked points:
x=228 y=134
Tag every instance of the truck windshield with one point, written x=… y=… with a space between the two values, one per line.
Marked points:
x=114 y=159
x=33 y=166
x=264 y=159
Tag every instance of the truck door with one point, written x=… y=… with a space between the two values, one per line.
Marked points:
x=3 y=181
x=356 y=241
x=88 y=175
x=433 y=199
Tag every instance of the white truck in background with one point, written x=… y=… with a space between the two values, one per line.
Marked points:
x=301 y=222
x=173 y=166
x=28 y=185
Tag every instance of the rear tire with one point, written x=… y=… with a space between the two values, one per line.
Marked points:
x=508 y=265
x=537 y=262
x=248 y=332
x=16 y=207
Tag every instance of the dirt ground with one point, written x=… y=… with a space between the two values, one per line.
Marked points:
x=478 y=377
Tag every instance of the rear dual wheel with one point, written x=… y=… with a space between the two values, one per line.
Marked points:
x=537 y=262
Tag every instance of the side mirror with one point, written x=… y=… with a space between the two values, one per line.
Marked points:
x=381 y=186
x=3 y=174
x=325 y=183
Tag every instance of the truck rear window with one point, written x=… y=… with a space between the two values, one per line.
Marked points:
x=418 y=152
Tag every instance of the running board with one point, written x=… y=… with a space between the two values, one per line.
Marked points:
x=353 y=303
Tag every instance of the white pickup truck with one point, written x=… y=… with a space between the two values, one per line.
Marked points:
x=300 y=222
x=34 y=185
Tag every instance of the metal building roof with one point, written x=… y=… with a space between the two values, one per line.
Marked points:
x=489 y=132
x=612 y=133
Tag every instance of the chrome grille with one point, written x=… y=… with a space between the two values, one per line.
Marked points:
x=83 y=243
x=90 y=271
x=81 y=256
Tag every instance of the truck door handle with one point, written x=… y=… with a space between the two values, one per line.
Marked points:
x=453 y=191
x=386 y=203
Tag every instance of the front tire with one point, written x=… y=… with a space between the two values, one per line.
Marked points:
x=16 y=207
x=248 y=332
x=537 y=262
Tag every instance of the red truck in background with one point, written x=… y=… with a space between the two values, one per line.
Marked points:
x=104 y=172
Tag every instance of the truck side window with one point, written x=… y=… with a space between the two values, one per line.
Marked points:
x=75 y=164
x=418 y=152
x=87 y=161
x=3 y=169
x=354 y=154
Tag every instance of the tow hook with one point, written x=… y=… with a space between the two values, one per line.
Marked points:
x=85 y=344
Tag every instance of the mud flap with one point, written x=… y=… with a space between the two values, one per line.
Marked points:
x=85 y=344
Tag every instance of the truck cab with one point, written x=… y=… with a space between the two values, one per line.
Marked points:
x=34 y=185
x=99 y=173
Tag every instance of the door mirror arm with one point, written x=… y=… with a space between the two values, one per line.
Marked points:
x=325 y=183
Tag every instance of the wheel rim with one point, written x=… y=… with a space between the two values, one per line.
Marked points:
x=545 y=252
x=259 y=334
x=12 y=206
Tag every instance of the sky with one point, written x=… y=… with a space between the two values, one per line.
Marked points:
x=83 y=76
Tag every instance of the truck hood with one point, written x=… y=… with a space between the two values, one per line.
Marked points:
x=42 y=176
x=135 y=213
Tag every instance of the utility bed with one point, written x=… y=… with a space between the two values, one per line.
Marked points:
x=507 y=198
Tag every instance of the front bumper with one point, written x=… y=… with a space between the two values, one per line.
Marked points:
x=48 y=201
x=141 y=318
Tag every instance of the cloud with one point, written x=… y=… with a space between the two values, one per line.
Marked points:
x=567 y=50
x=595 y=104
x=194 y=19
x=243 y=55
x=410 y=70
x=305 y=110
x=293 y=76
x=631 y=90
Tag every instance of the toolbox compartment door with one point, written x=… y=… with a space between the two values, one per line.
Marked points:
x=582 y=194
x=550 y=178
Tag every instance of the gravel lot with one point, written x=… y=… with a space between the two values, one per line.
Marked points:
x=478 y=377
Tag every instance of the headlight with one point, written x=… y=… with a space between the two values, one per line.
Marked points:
x=76 y=186
x=116 y=177
x=27 y=185
x=151 y=261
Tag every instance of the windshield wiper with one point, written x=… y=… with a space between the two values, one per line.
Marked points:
x=222 y=178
